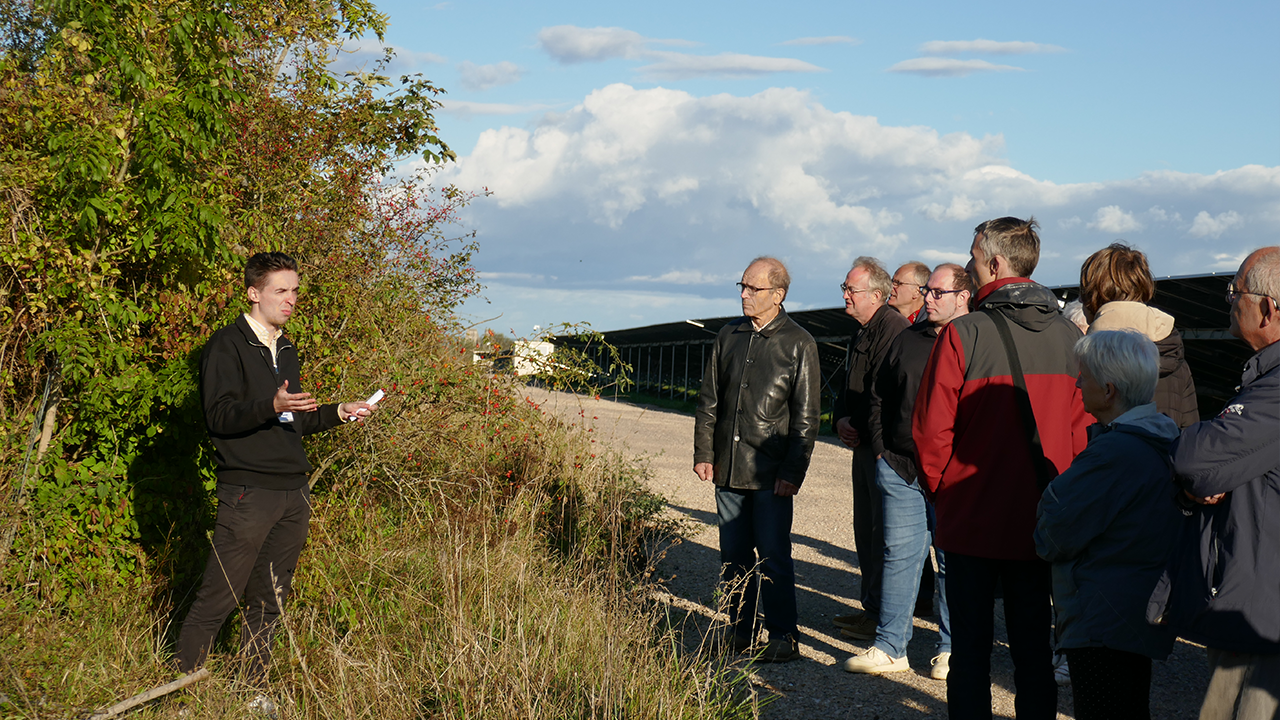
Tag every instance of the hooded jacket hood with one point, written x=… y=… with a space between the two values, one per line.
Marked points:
x=1027 y=303
x=1147 y=421
x=1128 y=315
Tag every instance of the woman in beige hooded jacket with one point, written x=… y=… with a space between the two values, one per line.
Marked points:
x=1115 y=287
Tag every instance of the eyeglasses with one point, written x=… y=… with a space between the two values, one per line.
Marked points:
x=937 y=293
x=898 y=284
x=846 y=290
x=743 y=287
x=1234 y=294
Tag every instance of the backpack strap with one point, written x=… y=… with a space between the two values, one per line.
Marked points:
x=1043 y=474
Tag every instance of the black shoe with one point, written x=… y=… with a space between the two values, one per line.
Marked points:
x=780 y=650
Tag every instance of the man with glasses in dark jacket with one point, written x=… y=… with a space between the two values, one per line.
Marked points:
x=866 y=290
x=904 y=510
x=1225 y=576
x=756 y=424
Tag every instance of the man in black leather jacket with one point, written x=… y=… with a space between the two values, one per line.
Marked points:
x=756 y=424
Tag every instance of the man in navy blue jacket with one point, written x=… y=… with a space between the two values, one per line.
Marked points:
x=1226 y=580
x=256 y=413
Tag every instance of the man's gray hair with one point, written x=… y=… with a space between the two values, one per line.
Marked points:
x=1013 y=239
x=1263 y=275
x=919 y=271
x=877 y=277
x=1125 y=358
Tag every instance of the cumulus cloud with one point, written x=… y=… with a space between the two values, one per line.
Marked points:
x=569 y=44
x=467 y=109
x=986 y=47
x=685 y=277
x=1111 y=219
x=825 y=40
x=960 y=208
x=943 y=256
x=949 y=67
x=683 y=66
x=777 y=152
x=483 y=77
x=1213 y=226
x=1228 y=261
x=651 y=188
x=1159 y=214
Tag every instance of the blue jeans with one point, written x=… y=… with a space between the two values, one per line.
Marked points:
x=752 y=520
x=906 y=548
x=940 y=581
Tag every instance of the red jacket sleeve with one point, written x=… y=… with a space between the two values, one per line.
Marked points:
x=933 y=420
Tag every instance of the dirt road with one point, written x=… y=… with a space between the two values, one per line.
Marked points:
x=826 y=580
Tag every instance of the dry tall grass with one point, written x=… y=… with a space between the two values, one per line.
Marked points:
x=468 y=558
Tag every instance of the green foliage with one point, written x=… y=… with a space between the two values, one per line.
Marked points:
x=148 y=147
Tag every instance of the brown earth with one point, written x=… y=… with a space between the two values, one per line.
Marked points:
x=826 y=578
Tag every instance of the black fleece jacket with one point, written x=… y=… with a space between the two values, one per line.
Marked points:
x=237 y=386
x=893 y=397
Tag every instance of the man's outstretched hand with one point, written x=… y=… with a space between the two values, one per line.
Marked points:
x=285 y=401
x=354 y=411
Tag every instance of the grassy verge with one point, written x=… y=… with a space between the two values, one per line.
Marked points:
x=468 y=558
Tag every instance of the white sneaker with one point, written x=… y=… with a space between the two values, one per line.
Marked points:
x=941 y=666
x=1061 y=671
x=874 y=662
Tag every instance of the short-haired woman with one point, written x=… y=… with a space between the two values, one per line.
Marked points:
x=1107 y=524
x=1115 y=287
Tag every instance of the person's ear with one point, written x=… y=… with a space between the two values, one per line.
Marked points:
x=254 y=295
x=1111 y=393
x=1269 y=310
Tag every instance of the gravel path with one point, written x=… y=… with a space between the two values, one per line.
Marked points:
x=826 y=578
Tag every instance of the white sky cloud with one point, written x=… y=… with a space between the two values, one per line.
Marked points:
x=949 y=67
x=1211 y=226
x=570 y=44
x=632 y=188
x=467 y=108
x=685 y=277
x=986 y=47
x=1111 y=219
x=826 y=40
x=937 y=257
x=683 y=66
x=483 y=77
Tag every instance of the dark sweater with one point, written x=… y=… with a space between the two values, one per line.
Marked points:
x=868 y=350
x=893 y=395
x=237 y=387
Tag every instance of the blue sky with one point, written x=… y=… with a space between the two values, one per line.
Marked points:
x=639 y=158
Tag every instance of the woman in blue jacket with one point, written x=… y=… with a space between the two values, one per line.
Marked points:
x=1107 y=524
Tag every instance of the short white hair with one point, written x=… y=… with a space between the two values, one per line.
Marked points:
x=1125 y=358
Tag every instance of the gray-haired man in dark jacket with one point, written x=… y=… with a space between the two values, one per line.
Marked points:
x=756 y=424
x=1225 y=579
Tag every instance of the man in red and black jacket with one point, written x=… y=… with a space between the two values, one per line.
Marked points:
x=985 y=467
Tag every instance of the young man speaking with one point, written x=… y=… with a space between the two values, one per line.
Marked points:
x=256 y=414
